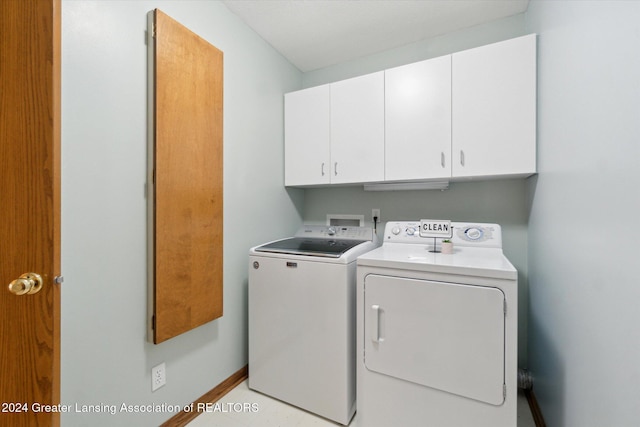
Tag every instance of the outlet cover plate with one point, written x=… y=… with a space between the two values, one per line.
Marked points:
x=158 y=376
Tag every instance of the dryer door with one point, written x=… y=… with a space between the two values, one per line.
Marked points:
x=441 y=335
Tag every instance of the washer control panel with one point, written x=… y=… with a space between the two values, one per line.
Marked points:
x=464 y=234
x=336 y=232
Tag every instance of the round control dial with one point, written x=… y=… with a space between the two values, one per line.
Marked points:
x=473 y=233
x=411 y=231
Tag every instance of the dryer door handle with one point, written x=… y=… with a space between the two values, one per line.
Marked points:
x=376 y=318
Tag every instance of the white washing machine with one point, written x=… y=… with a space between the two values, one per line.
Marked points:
x=302 y=320
x=437 y=333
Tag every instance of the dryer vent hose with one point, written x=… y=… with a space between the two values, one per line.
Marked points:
x=525 y=380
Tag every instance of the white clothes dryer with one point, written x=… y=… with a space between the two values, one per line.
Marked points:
x=437 y=333
x=302 y=321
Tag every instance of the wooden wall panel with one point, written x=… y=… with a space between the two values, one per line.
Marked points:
x=188 y=187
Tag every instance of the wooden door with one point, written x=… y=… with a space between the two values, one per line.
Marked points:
x=186 y=203
x=30 y=209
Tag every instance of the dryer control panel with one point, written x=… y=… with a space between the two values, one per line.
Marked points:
x=464 y=234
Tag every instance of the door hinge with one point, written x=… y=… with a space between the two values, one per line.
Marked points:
x=153 y=322
x=150 y=34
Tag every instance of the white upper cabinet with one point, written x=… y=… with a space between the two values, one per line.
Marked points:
x=418 y=120
x=307 y=136
x=357 y=129
x=494 y=109
x=471 y=114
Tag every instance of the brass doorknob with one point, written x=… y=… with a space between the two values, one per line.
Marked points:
x=28 y=283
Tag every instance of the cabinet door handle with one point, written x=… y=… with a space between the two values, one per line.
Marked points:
x=322 y=168
x=335 y=169
x=442 y=158
x=462 y=157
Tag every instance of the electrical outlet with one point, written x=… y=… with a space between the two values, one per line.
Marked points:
x=375 y=213
x=158 y=376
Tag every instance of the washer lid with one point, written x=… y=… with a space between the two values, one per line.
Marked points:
x=328 y=248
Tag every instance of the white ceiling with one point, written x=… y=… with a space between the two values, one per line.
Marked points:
x=314 y=34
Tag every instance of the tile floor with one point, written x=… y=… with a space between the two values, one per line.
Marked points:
x=274 y=413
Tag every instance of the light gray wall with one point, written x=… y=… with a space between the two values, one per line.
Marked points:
x=584 y=344
x=500 y=201
x=453 y=42
x=105 y=356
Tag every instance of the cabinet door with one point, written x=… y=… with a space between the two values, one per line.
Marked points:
x=357 y=129
x=418 y=120
x=494 y=109
x=306 y=136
